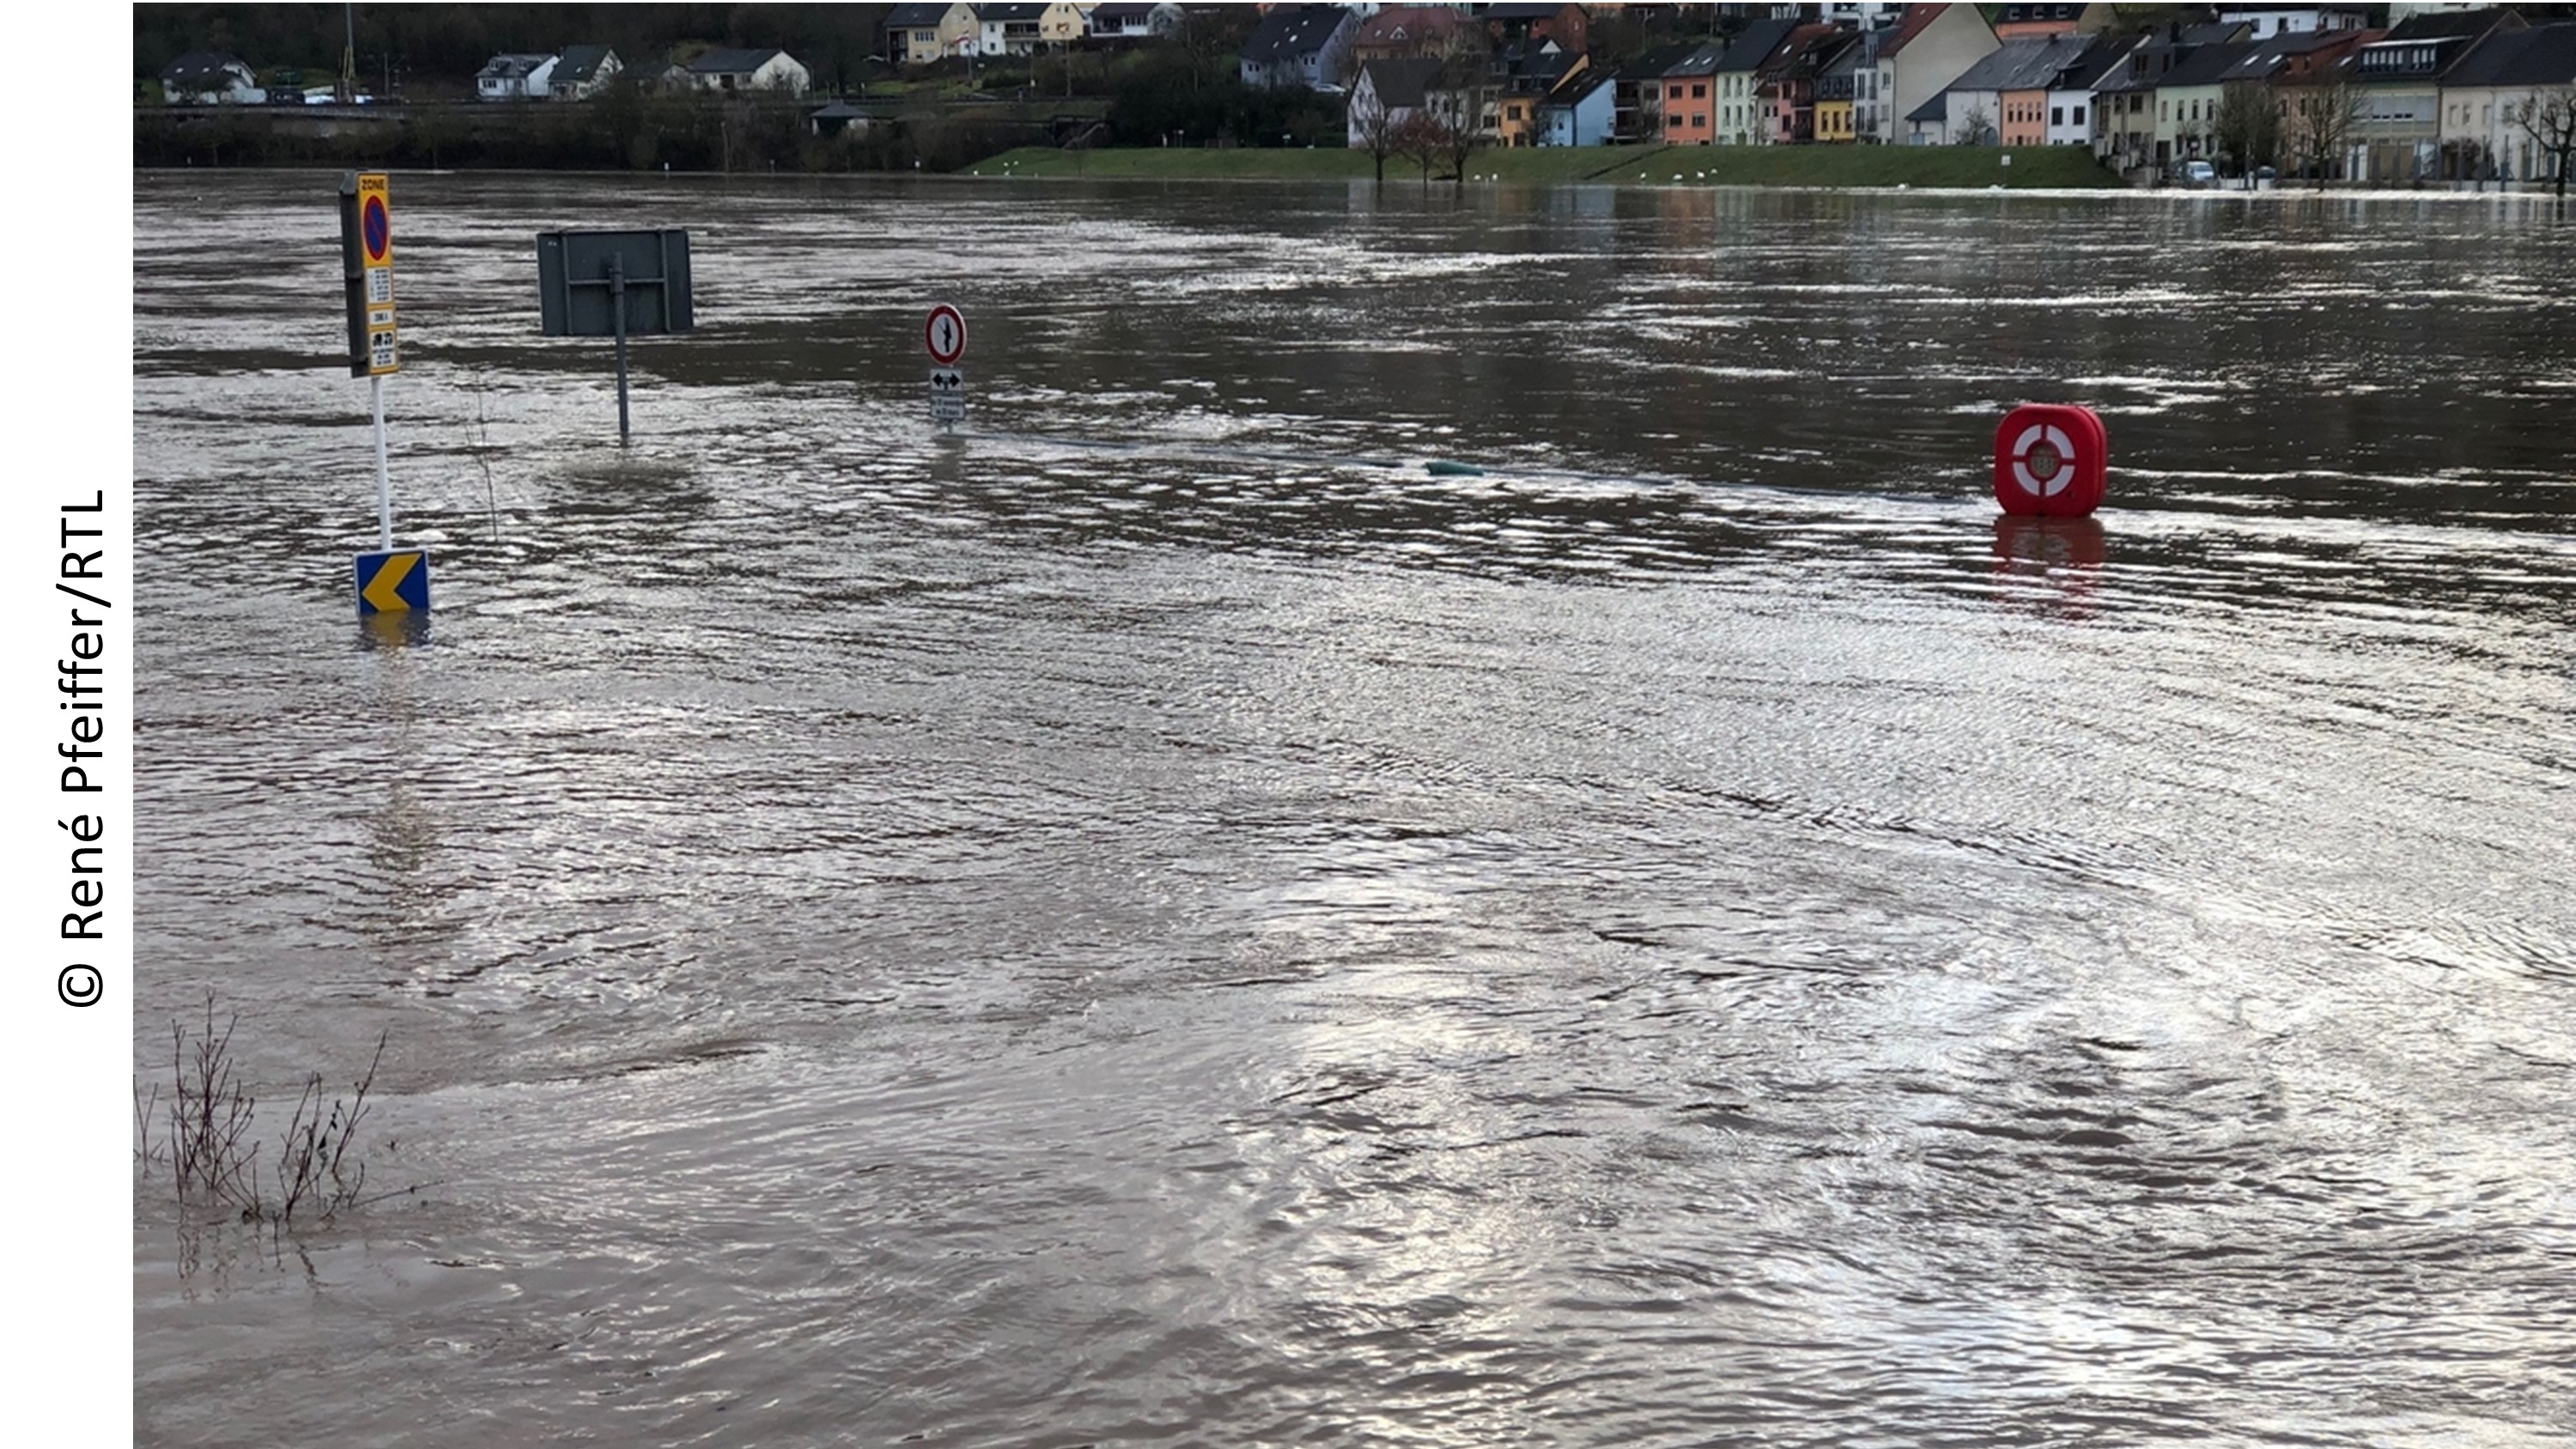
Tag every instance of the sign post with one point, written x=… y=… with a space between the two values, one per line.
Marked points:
x=611 y=283
x=945 y=335
x=387 y=581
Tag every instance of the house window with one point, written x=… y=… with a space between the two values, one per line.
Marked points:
x=1672 y=93
x=2163 y=110
x=2079 y=115
x=2057 y=115
x=1699 y=90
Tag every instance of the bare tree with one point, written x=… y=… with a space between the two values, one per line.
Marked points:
x=2549 y=119
x=2320 y=121
x=1375 y=123
x=1457 y=96
x=2248 y=128
x=1422 y=138
x=1976 y=128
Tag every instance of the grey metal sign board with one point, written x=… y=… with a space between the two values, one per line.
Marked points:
x=583 y=277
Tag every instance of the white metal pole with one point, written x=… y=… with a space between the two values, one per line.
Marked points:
x=384 y=481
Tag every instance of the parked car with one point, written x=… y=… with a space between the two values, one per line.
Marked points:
x=2199 y=173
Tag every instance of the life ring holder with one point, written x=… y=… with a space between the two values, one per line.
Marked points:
x=2051 y=459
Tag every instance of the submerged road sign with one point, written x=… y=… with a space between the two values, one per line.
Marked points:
x=393 y=582
x=367 y=269
x=945 y=335
x=947 y=395
x=614 y=284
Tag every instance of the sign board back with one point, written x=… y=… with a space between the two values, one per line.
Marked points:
x=583 y=275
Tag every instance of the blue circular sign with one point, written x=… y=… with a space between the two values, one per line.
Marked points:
x=377 y=227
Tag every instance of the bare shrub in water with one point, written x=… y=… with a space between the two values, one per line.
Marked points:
x=207 y=1133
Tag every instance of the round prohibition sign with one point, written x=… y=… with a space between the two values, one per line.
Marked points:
x=376 y=228
x=945 y=334
x=2043 y=460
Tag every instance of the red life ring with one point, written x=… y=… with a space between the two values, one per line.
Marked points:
x=2051 y=459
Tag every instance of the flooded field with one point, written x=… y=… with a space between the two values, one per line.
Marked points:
x=1156 y=919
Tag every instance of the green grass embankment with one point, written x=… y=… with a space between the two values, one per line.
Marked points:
x=1921 y=166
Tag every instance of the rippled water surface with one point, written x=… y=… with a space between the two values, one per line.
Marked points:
x=1157 y=919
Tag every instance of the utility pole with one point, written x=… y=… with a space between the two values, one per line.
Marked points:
x=346 y=91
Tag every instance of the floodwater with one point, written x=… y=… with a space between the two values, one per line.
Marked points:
x=1157 y=919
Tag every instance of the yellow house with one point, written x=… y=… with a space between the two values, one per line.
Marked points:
x=1838 y=91
x=925 y=34
x=1520 y=117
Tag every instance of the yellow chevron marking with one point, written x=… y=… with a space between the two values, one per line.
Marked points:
x=380 y=590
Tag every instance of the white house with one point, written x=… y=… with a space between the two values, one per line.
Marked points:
x=1579 y=113
x=746 y=70
x=2071 y=97
x=1134 y=22
x=2032 y=64
x=514 y=77
x=1301 y=45
x=1021 y=29
x=1930 y=46
x=1394 y=89
x=2483 y=97
x=923 y=34
x=2271 y=20
x=581 y=72
x=207 y=78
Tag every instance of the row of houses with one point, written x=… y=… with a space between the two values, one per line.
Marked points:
x=2439 y=95
x=576 y=73
x=927 y=34
x=580 y=72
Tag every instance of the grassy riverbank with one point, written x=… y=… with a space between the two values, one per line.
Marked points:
x=1921 y=166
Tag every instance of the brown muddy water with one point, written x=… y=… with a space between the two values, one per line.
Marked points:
x=1157 y=920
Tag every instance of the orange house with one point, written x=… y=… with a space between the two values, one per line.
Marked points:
x=2024 y=121
x=1690 y=98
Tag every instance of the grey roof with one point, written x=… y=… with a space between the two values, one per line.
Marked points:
x=2544 y=55
x=1119 y=12
x=580 y=63
x=1698 y=60
x=2099 y=61
x=207 y=66
x=1528 y=71
x=1935 y=109
x=1757 y=42
x=916 y=17
x=1288 y=35
x=1401 y=84
x=1654 y=63
x=2258 y=59
x=733 y=62
x=2446 y=24
x=2027 y=64
x=990 y=13
x=510 y=67
x=1583 y=89
x=2211 y=64
x=837 y=111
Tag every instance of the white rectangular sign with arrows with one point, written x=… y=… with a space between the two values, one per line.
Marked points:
x=947 y=395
